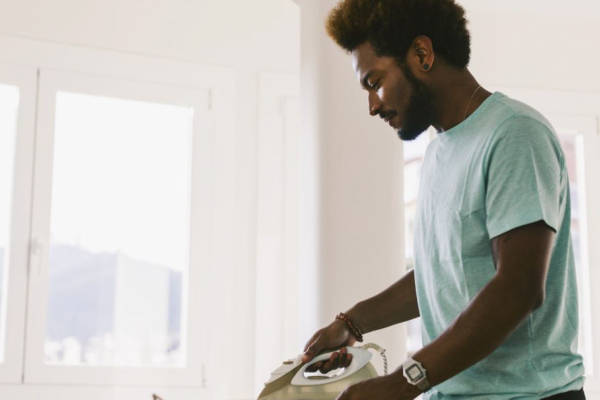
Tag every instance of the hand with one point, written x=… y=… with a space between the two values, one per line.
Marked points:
x=390 y=387
x=334 y=335
x=338 y=359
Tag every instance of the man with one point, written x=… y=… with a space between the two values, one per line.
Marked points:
x=494 y=277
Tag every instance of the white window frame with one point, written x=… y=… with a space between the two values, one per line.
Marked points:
x=36 y=371
x=217 y=163
x=579 y=110
x=15 y=280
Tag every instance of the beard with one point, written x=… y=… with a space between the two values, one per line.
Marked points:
x=419 y=113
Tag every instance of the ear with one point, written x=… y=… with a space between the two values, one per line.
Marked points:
x=421 y=54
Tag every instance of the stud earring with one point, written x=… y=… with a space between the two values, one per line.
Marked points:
x=426 y=67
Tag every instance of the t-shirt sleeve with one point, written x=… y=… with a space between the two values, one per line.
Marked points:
x=524 y=172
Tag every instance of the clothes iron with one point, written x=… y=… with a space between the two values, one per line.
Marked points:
x=291 y=381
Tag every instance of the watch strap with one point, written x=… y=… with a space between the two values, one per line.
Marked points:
x=412 y=367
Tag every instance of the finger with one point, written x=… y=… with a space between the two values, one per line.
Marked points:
x=314 y=367
x=343 y=357
x=348 y=360
x=311 y=341
x=332 y=363
x=312 y=350
x=333 y=360
x=323 y=366
x=328 y=365
x=336 y=362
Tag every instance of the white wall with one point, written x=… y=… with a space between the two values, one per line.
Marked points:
x=258 y=34
x=352 y=208
x=544 y=51
x=574 y=8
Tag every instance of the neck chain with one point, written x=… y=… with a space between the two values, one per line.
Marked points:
x=469 y=106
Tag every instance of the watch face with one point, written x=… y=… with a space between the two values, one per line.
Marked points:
x=414 y=372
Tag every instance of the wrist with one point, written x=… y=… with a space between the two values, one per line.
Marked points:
x=357 y=314
x=404 y=387
x=416 y=374
x=351 y=325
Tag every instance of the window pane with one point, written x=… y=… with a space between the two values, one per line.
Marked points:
x=119 y=232
x=414 y=153
x=572 y=145
x=9 y=102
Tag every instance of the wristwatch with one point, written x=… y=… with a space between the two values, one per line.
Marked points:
x=415 y=374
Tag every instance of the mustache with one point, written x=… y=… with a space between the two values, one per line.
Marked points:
x=387 y=114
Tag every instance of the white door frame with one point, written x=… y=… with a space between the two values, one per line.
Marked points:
x=16 y=269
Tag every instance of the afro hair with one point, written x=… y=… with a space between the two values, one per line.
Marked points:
x=391 y=26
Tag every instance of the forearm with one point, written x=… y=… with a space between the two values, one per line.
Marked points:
x=482 y=327
x=396 y=304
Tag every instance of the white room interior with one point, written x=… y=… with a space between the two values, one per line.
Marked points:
x=296 y=212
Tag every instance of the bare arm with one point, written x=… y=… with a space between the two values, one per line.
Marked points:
x=396 y=304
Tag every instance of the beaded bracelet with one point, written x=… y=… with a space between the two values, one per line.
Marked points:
x=356 y=331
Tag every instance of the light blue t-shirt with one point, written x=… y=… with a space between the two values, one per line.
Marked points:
x=503 y=167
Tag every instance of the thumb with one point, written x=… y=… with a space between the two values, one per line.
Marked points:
x=312 y=350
